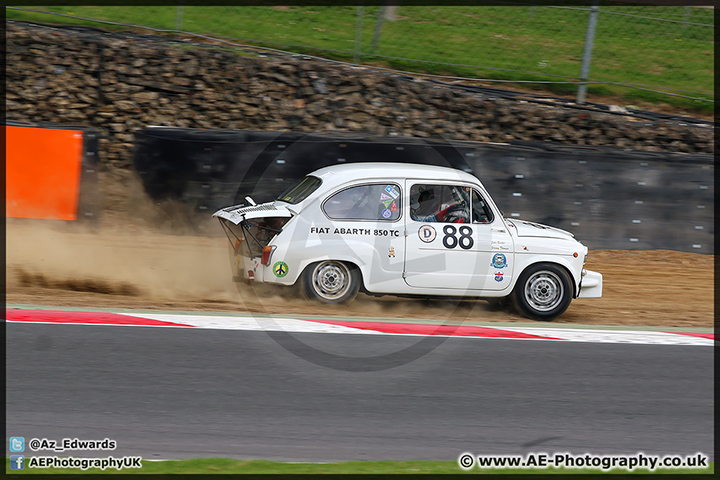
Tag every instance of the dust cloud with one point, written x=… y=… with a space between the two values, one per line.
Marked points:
x=134 y=263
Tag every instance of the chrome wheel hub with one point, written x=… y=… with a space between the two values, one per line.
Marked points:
x=544 y=291
x=331 y=280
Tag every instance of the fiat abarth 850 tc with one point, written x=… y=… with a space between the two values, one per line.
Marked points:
x=407 y=230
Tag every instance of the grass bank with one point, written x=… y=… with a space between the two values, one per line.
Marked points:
x=657 y=49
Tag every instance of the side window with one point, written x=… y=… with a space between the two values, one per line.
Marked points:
x=365 y=202
x=440 y=203
x=481 y=213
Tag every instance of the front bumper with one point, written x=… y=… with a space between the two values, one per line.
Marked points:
x=591 y=284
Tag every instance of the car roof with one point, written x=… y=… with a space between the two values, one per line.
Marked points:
x=380 y=170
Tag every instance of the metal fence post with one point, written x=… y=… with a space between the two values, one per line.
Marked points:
x=358 y=33
x=378 y=28
x=587 y=52
x=178 y=17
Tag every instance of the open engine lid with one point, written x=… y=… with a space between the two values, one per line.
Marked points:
x=238 y=213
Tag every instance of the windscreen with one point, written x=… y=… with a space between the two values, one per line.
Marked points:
x=300 y=190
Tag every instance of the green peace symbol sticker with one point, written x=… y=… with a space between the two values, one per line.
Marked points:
x=280 y=269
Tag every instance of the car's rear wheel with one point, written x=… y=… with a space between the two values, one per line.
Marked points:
x=543 y=292
x=330 y=281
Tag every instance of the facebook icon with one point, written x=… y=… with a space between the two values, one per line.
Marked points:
x=17 y=462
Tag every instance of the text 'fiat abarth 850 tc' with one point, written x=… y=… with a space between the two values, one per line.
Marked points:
x=408 y=230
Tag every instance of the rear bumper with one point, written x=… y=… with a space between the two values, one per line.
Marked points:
x=591 y=285
x=249 y=270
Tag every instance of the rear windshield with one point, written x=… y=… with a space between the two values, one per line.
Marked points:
x=300 y=190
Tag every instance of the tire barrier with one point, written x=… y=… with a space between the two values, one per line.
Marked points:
x=609 y=198
x=51 y=171
x=210 y=169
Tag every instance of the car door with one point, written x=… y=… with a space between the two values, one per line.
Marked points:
x=451 y=246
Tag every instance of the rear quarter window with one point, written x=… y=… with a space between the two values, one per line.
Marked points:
x=365 y=202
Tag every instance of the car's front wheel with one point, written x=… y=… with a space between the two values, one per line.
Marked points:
x=543 y=292
x=330 y=281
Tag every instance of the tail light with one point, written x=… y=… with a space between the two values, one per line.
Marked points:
x=267 y=252
x=238 y=242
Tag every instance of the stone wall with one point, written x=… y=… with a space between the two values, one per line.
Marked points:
x=120 y=83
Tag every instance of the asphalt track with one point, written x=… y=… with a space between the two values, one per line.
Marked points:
x=172 y=393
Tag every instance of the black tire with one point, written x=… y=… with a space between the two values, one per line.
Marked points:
x=543 y=292
x=330 y=281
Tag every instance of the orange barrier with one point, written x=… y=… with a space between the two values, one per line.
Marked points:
x=43 y=169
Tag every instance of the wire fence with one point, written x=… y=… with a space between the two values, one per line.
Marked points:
x=642 y=52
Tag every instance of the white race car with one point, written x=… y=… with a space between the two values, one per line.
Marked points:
x=408 y=230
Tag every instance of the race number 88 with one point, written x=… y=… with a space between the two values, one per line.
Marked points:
x=451 y=241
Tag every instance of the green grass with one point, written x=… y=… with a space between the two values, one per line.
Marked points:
x=229 y=466
x=489 y=42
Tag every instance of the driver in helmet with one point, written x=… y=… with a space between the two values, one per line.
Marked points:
x=424 y=206
x=427 y=207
